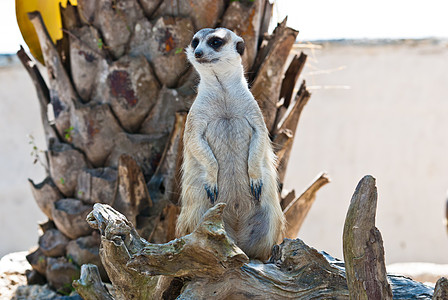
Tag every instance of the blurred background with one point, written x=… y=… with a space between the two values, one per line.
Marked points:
x=378 y=74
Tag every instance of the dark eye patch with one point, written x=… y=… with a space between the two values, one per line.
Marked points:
x=195 y=43
x=215 y=42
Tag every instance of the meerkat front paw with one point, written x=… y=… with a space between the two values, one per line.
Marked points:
x=255 y=188
x=212 y=192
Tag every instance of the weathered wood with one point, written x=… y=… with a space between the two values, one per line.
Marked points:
x=441 y=289
x=69 y=215
x=97 y=185
x=89 y=286
x=46 y=194
x=363 y=246
x=297 y=210
x=53 y=243
x=62 y=94
x=119 y=241
x=215 y=268
x=132 y=195
x=266 y=86
x=290 y=121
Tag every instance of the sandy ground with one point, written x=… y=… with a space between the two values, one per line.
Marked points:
x=379 y=110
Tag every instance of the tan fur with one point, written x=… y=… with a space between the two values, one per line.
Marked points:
x=227 y=146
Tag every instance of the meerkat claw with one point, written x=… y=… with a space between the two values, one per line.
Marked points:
x=255 y=188
x=212 y=193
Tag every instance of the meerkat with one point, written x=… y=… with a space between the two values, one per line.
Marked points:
x=228 y=155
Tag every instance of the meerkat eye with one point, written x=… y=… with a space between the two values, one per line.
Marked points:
x=195 y=43
x=215 y=42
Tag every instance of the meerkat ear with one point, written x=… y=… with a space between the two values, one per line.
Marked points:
x=240 y=47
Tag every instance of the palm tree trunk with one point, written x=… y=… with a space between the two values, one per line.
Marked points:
x=119 y=87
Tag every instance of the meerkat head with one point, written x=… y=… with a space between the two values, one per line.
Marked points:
x=218 y=50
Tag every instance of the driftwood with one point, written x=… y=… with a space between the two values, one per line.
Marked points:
x=89 y=286
x=363 y=246
x=207 y=264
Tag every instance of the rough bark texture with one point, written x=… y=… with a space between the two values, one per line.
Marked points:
x=119 y=87
x=363 y=246
x=207 y=264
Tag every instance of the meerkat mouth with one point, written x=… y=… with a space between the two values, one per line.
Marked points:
x=206 y=61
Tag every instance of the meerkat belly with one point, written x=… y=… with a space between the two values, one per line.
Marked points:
x=229 y=139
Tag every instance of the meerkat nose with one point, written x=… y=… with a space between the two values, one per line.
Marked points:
x=198 y=53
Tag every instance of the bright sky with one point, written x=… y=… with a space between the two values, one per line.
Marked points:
x=319 y=19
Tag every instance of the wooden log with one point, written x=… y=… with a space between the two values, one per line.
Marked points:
x=65 y=165
x=62 y=94
x=441 y=289
x=214 y=268
x=97 y=185
x=266 y=86
x=290 y=121
x=89 y=286
x=45 y=194
x=131 y=89
x=297 y=210
x=363 y=246
x=53 y=243
x=69 y=215
x=132 y=195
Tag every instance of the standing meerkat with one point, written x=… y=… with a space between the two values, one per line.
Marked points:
x=228 y=155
